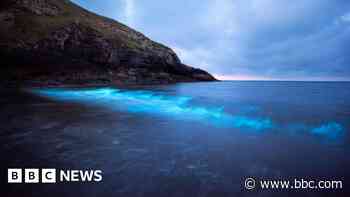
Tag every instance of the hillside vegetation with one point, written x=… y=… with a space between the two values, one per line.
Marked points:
x=56 y=42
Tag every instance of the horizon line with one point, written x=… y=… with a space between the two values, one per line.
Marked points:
x=261 y=78
x=284 y=80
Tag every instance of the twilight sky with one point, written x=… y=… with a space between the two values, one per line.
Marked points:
x=245 y=39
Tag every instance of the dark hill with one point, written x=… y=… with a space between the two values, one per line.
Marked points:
x=55 y=42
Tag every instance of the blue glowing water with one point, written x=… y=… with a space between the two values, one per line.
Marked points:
x=158 y=103
x=190 y=139
x=330 y=129
x=153 y=103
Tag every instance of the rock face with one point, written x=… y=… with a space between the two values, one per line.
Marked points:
x=51 y=42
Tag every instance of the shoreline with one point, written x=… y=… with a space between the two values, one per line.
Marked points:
x=93 y=85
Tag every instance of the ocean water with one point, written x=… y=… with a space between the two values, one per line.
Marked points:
x=187 y=139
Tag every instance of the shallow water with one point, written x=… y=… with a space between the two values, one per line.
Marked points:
x=190 y=139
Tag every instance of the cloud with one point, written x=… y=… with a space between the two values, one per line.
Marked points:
x=346 y=17
x=281 y=39
x=266 y=39
x=129 y=12
x=195 y=57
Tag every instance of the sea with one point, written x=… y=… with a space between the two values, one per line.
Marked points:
x=188 y=139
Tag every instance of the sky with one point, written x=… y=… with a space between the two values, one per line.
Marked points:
x=245 y=39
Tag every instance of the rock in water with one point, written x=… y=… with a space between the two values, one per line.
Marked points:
x=50 y=42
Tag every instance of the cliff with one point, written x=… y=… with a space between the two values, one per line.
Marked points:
x=56 y=42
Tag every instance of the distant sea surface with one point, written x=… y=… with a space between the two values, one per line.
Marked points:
x=187 y=139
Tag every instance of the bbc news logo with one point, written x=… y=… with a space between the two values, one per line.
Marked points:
x=51 y=175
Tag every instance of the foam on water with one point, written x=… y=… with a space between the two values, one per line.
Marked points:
x=330 y=129
x=181 y=107
x=178 y=107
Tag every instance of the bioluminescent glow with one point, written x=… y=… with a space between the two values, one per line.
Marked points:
x=181 y=107
x=331 y=130
x=178 y=107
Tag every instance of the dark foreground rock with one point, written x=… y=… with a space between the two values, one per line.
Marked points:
x=49 y=42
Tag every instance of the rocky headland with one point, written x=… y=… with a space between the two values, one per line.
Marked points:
x=56 y=42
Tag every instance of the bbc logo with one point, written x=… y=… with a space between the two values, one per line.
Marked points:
x=31 y=175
